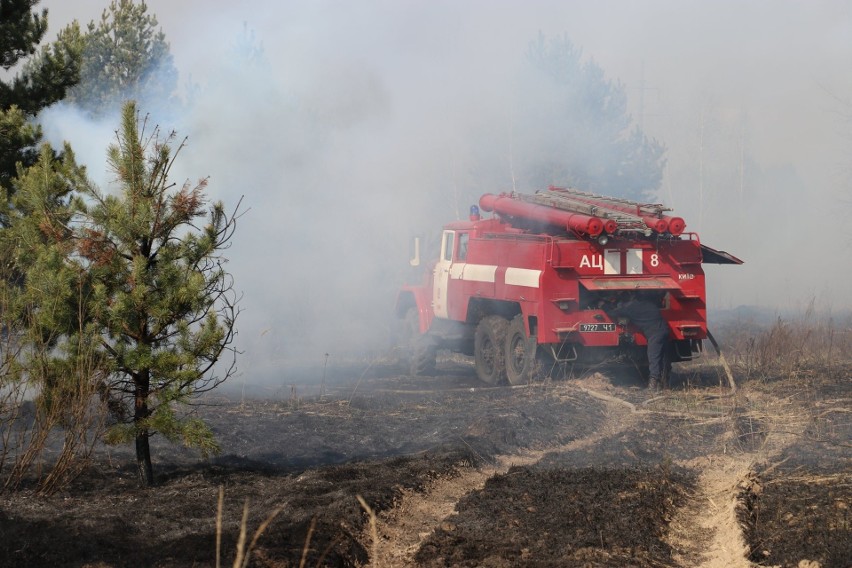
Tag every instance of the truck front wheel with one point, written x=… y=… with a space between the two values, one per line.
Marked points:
x=489 y=349
x=423 y=356
x=419 y=349
x=521 y=361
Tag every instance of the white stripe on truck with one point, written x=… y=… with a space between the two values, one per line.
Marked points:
x=523 y=277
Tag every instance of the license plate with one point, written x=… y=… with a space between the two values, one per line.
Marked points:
x=584 y=327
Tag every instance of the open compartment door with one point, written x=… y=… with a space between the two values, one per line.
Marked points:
x=713 y=256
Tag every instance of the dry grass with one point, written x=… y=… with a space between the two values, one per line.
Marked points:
x=790 y=345
x=374 y=533
x=243 y=554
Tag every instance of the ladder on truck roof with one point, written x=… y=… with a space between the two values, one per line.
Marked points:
x=627 y=214
x=595 y=216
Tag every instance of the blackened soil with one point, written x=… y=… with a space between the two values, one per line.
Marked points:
x=299 y=457
x=799 y=508
x=795 y=519
x=534 y=516
x=117 y=524
x=308 y=459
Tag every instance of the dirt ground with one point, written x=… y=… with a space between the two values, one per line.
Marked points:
x=377 y=468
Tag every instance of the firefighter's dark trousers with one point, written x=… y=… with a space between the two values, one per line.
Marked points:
x=658 y=340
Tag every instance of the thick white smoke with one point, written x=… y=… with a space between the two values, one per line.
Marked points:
x=349 y=127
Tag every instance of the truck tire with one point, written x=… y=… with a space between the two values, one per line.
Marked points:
x=424 y=354
x=403 y=334
x=521 y=361
x=410 y=328
x=489 y=349
x=419 y=350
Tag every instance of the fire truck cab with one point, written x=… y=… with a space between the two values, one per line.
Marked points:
x=526 y=288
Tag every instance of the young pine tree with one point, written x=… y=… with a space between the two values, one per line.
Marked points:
x=47 y=354
x=161 y=297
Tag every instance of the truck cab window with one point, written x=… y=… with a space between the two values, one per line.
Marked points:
x=463 y=238
x=448 y=245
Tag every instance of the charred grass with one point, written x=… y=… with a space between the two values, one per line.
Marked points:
x=795 y=508
x=330 y=462
x=545 y=516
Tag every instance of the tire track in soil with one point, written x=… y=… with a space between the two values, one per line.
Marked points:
x=402 y=529
x=704 y=533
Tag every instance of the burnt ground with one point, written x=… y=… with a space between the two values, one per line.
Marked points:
x=799 y=505
x=584 y=471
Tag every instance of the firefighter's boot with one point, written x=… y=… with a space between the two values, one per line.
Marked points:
x=654 y=384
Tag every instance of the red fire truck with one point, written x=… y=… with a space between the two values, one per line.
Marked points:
x=528 y=284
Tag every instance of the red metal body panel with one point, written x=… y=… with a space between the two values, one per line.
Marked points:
x=539 y=272
x=421 y=300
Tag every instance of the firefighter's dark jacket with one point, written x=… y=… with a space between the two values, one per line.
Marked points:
x=643 y=313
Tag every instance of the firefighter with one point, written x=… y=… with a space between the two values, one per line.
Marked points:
x=643 y=310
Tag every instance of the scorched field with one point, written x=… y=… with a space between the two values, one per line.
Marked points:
x=377 y=468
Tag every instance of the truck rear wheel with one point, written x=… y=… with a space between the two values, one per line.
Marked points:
x=489 y=349
x=521 y=360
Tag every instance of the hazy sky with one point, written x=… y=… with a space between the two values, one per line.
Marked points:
x=751 y=98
